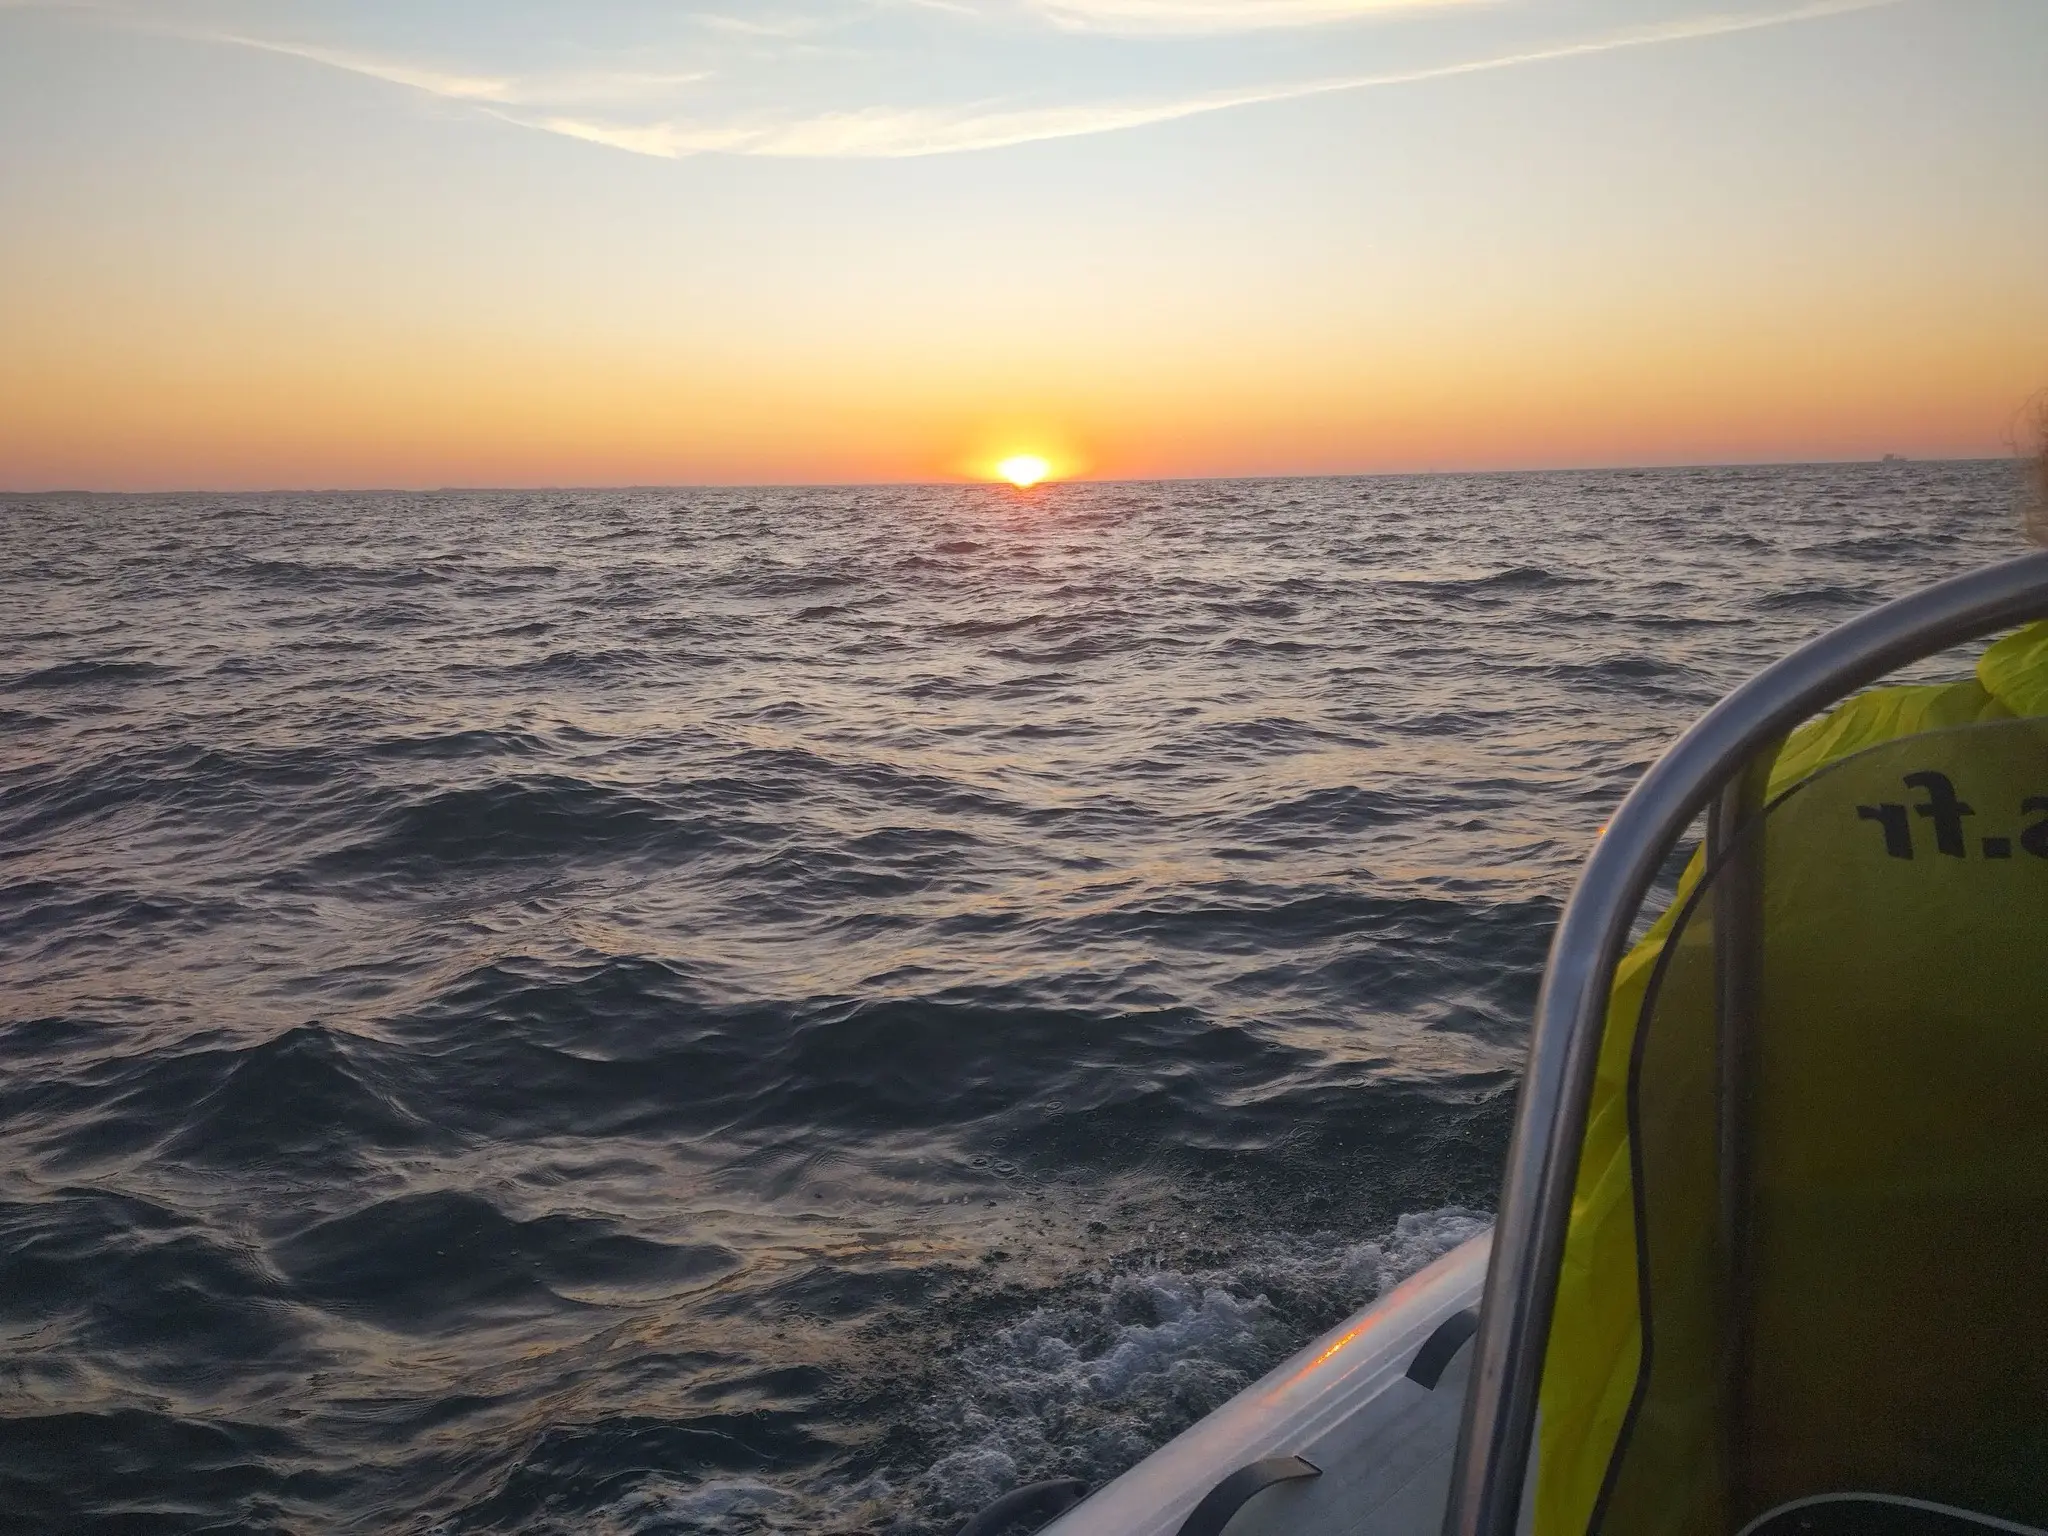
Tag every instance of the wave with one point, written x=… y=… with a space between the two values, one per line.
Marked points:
x=311 y=1100
x=456 y=744
x=1335 y=811
x=1516 y=578
x=331 y=576
x=442 y=1261
x=90 y=674
x=1244 y=916
x=1810 y=597
x=519 y=819
x=228 y=1466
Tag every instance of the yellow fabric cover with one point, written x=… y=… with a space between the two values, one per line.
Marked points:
x=1594 y=1347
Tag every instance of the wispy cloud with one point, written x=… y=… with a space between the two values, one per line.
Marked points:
x=882 y=133
x=595 y=106
x=898 y=133
x=612 y=86
x=436 y=82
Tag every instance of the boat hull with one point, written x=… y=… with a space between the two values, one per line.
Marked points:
x=1381 y=1440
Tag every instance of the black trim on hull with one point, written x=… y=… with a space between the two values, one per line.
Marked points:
x=1441 y=1348
x=1229 y=1496
x=1046 y=1501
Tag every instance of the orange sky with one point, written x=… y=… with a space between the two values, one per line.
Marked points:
x=231 y=268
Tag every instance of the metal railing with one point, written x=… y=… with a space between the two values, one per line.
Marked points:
x=1500 y=1407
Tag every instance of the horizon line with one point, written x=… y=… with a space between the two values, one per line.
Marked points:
x=962 y=481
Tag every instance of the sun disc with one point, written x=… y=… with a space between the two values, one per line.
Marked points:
x=1024 y=469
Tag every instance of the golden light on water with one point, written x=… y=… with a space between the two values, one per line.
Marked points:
x=1023 y=469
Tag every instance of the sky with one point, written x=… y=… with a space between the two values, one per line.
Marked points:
x=267 y=244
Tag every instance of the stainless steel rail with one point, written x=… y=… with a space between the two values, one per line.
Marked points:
x=1535 y=1207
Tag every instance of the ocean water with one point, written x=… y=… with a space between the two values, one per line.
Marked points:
x=753 y=1010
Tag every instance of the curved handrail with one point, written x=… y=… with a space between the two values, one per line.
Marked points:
x=1535 y=1208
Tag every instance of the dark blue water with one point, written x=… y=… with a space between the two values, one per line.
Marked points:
x=723 y=1010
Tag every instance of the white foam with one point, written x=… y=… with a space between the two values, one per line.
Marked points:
x=1083 y=1387
x=662 y=1505
x=1089 y=1386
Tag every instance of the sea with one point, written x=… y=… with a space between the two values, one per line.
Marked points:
x=723 y=1011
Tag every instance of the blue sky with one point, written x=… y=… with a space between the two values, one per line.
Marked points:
x=832 y=78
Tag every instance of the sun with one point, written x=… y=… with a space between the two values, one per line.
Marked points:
x=1023 y=469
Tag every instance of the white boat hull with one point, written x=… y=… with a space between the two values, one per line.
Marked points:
x=1381 y=1440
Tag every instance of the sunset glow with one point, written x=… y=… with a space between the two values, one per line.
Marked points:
x=245 y=255
x=1024 y=470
